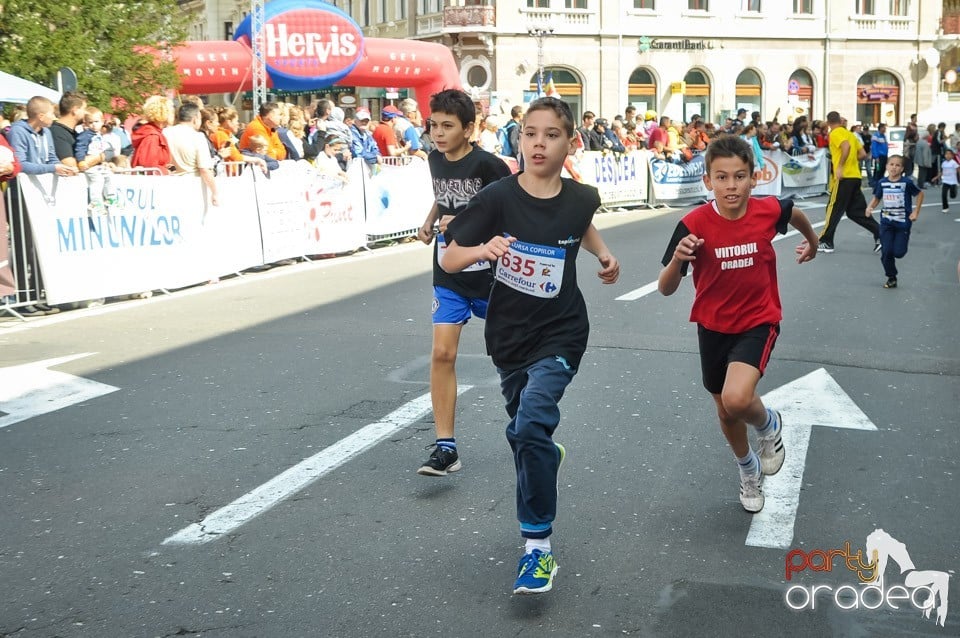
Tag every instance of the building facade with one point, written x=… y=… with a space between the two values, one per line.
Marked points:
x=872 y=60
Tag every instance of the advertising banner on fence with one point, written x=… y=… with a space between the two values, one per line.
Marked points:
x=7 y=285
x=768 y=177
x=398 y=199
x=807 y=172
x=672 y=183
x=161 y=235
x=620 y=178
x=303 y=213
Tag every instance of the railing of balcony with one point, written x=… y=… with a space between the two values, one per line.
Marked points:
x=472 y=16
x=863 y=24
x=430 y=24
x=562 y=19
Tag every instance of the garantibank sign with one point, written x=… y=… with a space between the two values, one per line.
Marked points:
x=307 y=44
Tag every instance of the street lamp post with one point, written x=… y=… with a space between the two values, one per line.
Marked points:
x=538 y=33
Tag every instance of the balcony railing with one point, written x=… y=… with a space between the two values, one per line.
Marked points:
x=865 y=25
x=562 y=20
x=469 y=18
x=430 y=24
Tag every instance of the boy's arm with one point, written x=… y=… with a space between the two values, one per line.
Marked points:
x=594 y=243
x=672 y=274
x=871 y=206
x=456 y=257
x=807 y=249
x=918 y=202
x=425 y=233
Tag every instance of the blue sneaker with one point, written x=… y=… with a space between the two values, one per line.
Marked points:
x=535 y=573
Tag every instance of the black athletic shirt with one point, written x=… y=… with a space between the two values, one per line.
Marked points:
x=454 y=183
x=64 y=140
x=521 y=327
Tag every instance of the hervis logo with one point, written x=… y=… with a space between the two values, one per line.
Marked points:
x=306 y=42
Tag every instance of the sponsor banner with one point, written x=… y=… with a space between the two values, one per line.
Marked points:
x=805 y=171
x=303 y=213
x=398 y=199
x=620 y=178
x=768 y=178
x=162 y=234
x=672 y=183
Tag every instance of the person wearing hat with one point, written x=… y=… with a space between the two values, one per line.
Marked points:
x=362 y=144
x=385 y=136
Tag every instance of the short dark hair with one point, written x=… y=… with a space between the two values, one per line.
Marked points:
x=729 y=146
x=630 y=109
x=71 y=100
x=187 y=111
x=586 y=114
x=516 y=111
x=454 y=102
x=560 y=108
x=267 y=107
x=833 y=117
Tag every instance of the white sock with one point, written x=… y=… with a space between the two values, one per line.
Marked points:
x=769 y=426
x=543 y=544
x=749 y=464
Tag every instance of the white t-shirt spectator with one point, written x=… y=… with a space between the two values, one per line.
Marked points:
x=189 y=150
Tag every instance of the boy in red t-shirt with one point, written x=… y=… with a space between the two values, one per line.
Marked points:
x=736 y=304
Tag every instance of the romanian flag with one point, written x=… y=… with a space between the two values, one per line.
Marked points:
x=551 y=89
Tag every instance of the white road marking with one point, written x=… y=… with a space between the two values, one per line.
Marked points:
x=30 y=389
x=252 y=504
x=643 y=291
x=814 y=399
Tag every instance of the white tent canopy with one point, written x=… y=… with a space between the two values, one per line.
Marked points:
x=948 y=112
x=19 y=91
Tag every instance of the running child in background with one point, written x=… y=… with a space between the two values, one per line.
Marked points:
x=896 y=192
x=532 y=225
x=459 y=170
x=737 y=304
x=949 y=170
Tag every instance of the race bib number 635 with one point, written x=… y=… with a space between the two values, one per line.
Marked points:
x=532 y=269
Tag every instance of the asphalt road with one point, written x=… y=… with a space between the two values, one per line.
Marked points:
x=215 y=391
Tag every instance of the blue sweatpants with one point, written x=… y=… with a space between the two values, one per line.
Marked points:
x=532 y=394
x=893 y=246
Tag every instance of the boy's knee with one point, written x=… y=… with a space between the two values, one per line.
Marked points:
x=736 y=402
x=443 y=355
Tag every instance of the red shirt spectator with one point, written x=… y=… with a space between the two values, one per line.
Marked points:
x=384 y=135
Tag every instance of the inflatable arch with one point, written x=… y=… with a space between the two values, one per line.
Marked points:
x=310 y=44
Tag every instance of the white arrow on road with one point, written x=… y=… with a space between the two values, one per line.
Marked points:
x=30 y=389
x=814 y=399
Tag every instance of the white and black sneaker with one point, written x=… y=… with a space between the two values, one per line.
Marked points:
x=442 y=461
x=771 y=450
x=751 y=492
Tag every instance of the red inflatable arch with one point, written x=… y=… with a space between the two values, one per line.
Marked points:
x=225 y=67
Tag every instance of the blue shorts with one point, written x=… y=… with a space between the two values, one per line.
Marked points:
x=452 y=308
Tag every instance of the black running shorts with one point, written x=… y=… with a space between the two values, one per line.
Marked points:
x=717 y=350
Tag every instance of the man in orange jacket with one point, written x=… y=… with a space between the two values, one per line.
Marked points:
x=266 y=125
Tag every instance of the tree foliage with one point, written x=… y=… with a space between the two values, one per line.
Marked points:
x=104 y=42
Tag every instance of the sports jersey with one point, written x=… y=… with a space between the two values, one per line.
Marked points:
x=735 y=272
x=454 y=184
x=536 y=309
x=897 y=199
x=851 y=169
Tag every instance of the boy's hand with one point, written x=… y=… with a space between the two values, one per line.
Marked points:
x=913 y=216
x=869 y=212
x=806 y=251
x=496 y=248
x=610 y=271
x=687 y=248
x=425 y=234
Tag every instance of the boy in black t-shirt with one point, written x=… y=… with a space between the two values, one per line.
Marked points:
x=737 y=302
x=459 y=170
x=532 y=226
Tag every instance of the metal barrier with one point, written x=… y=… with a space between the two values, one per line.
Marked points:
x=230 y=169
x=140 y=170
x=23 y=261
x=401 y=160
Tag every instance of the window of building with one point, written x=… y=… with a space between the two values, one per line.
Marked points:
x=576 y=4
x=696 y=99
x=642 y=92
x=644 y=4
x=401 y=9
x=866 y=7
x=366 y=13
x=803 y=7
x=538 y=4
x=383 y=11
x=431 y=6
x=750 y=5
x=698 y=5
x=228 y=30
x=899 y=7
